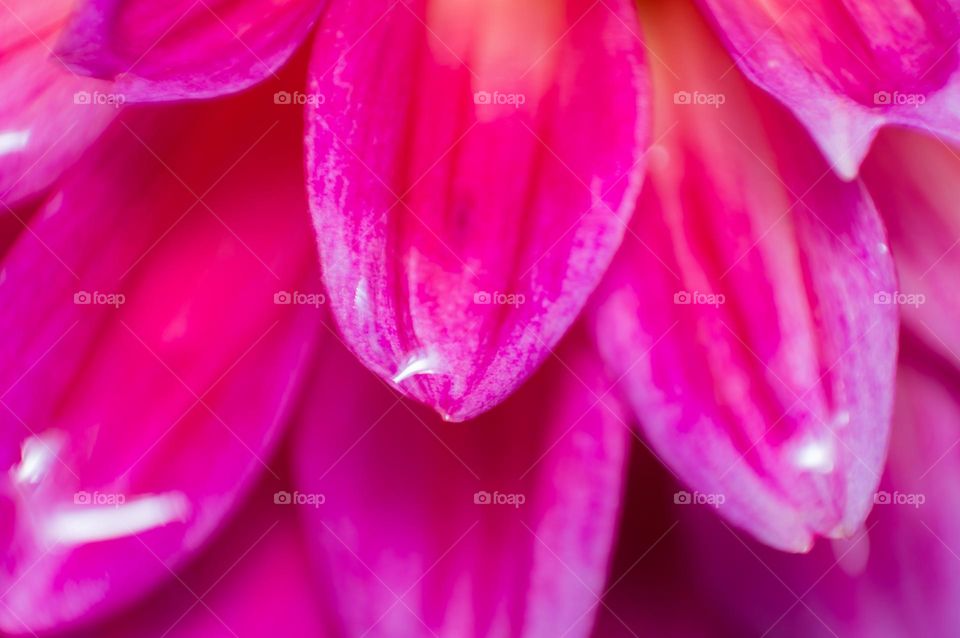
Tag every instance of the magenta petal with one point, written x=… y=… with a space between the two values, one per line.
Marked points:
x=146 y=366
x=472 y=168
x=48 y=114
x=252 y=582
x=185 y=49
x=741 y=308
x=497 y=527
x=845 y=69
x=913 y=180
x=896 y=578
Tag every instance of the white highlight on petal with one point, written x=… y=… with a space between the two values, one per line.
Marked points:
x=841 y=419
x=418 y=363
x=816 y=456
x=91 y=523
x=37 y=454
x=12 y=141
x=361 y=297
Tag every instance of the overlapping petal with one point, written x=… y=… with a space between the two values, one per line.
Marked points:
x=741 y=311
x=911 y=177
x=251 y=582
x=500 y=526
x=152 y=365
x=48 y=114
x=895 y=578
x=184 y=49
x=472 y=166
x=847 y=68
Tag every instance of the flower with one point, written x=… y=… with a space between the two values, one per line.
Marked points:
x=477 y=319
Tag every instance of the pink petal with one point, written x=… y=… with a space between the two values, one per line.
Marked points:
x=48 y=114
x=497 y=527
x=846 y=69
x=170 y=400
x=741 y=310
x=251 y=583
x=460 y=238
x=896 y=578
x=913 y=179
x=185 y=49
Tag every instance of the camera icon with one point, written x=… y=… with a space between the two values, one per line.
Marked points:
x=882 y=497
x=483 y=298
x=682 y=298
x=82 y=298
x=81 y=97
x=682 y=498
x=881 y=97
x=81 y=498
x=282 y=97
x=482 y=498
x=481 y=97
x=282 y=498
x=681 y=97
x=882 y=298
x=282 y=298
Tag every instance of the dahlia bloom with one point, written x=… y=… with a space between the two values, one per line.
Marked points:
x=437 y=318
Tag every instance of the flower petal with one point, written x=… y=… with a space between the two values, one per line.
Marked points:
x=912 y=179
x=252 y=582
x=185 y=49
x=847 y=68
x=741 y=307
x=146 y=366
x=497 y=527
x=48 y=114
x=898 y=576
x=466 y=209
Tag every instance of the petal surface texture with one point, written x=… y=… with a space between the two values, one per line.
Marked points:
x=501 y=526
x=48 y=114
x=472 y=166
x=845 y=67
x=146 y=365
x=740 y=312
x=184 y=49
x=897 y=577
x=913 y=179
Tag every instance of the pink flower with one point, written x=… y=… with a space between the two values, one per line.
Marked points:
x=544 y=231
